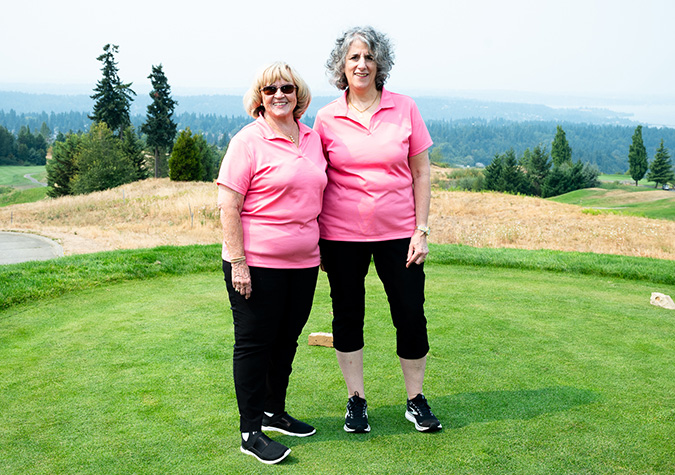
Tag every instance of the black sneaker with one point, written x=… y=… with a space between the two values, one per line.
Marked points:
x=264 y=449
x=419 y=412
x=287 y=425
x=356 y=419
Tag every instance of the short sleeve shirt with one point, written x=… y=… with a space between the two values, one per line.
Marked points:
x=369 y=196
x=283 y=189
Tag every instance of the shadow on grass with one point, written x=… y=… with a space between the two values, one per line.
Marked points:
x=461 y=410
x=456 y=411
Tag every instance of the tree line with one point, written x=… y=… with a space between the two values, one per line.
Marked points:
x=537 y=173
x=112 y=153
x=458 y=143
x=216 y=129
x=476 y=142
x=26 y=148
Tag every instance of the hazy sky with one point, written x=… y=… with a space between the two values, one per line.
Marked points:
x=562 y=47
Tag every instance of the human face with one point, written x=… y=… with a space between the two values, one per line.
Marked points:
x=280 y=105
x=360 y=67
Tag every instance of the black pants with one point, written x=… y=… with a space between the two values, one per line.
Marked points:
x=266 y=331
x=346 y=264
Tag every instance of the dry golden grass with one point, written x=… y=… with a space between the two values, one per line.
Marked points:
x=158 y=212
x=499 y=220
x=143 y=214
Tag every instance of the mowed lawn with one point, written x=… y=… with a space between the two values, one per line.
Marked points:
x=15 y=188
x=530 y=371
x=15 y=175
x=624 y=199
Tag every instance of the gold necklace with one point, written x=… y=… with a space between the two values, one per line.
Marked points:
x=285 y=135
x=364 y=110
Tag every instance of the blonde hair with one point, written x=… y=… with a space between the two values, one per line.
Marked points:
x=272 y=73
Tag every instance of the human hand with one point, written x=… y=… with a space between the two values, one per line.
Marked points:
x=241 y=279
x=418 y=249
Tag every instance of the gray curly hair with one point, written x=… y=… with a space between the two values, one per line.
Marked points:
x=379 y=46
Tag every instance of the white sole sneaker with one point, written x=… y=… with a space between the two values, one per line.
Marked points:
x=268 y=462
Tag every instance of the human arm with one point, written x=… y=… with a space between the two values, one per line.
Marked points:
x=231 y=203
x=421 y=175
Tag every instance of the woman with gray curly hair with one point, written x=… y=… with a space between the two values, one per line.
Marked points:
x=270 y=190
x=375 y=206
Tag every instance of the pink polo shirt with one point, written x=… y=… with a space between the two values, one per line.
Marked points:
x=369 y=196
x=283 y=189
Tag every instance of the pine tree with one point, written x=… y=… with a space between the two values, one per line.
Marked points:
x=493 y=173
x=184 y=163
x=112 y=97
x=159 y=126
x=208 y=159
x=7 y=146
x=637 y=157
x=537 y=166
x=512 y=176
x=661 y=169
x=61 y=168
x=505 y=175
x=132 y=148
x=560 y=148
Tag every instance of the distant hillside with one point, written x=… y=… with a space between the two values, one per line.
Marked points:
x=432 y=108
x=466 y=132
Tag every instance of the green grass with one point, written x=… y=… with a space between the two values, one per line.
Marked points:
x=598 y=202
x=541 y=362
x=622 y=178
x=20 y=283
x=14 y=175
x=16 y=189
x=13 y=197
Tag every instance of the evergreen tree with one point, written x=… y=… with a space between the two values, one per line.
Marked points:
x=208 y=159
x=30 y=148
x=560 y=148
x=159 y=126
x=101 y=163
x=556 y=182
x=512 y=176
x=61 y=168
x=492 y=174
x=569 y=177
x=45 y=132
x=112 y=97
x=184 y=163
x=132 y=148
x=505 y=175
x=537 y=166
x=637 y=157
x=7 y=147
x=661 y=168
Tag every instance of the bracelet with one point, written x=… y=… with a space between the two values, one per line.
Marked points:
x=426 y=230
x=236 y=260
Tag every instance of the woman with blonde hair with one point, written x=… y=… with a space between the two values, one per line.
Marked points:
x=270 y=190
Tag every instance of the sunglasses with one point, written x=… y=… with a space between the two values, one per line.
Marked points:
x=271 y=90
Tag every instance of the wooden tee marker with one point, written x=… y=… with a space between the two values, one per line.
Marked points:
x=321 y=339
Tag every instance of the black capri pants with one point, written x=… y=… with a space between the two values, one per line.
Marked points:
x=346 y=264
x=266 y=331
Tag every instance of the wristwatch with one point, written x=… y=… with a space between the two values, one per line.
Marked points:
x=426 y=230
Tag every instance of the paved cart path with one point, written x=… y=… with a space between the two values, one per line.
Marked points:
x=22 y=247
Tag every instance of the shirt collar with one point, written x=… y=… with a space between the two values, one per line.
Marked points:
x=268 y=132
